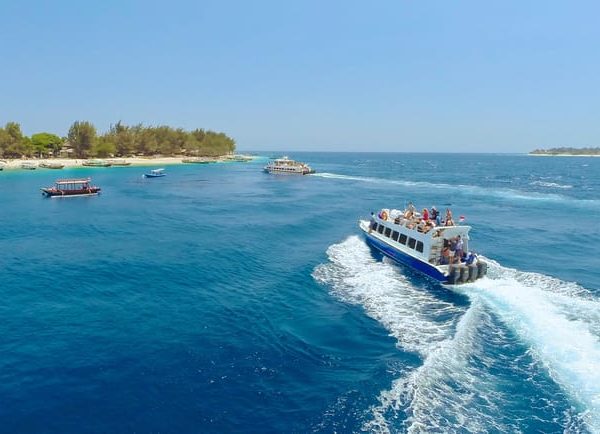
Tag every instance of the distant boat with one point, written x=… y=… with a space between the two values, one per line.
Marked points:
x=71 y=188
x=96 y=163
x=49 y=165
x=28 y=166
x=238 y=158
x=196 y=160
x=119 y=163
x=285 y=165
x=156 y=173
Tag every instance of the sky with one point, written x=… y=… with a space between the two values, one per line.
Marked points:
x=397 y=76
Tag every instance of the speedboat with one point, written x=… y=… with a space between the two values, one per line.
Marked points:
x=417 y=242
x=71 y=188
x=286 y=165
x=156 y=173
x=28 y=166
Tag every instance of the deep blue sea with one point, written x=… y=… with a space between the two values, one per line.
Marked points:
x=223 y=299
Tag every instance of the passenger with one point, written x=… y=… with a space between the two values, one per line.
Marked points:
x=425 y=214
x=445 y=259
x=471 y=258
x=452 y=249
x=448 y=215
x=459 y=247
x=435 y=215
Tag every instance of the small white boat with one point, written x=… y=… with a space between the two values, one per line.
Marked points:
x=417 y=242
x=286 y=165
x=156 y=173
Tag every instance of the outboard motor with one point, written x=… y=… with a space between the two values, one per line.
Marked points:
x=473 y=272
x=481 y=268
x=453 y=274
x=464 y=274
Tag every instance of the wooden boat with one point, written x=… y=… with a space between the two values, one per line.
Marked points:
x=156 y=173
x=96 y=163
x=119 y=163
x=196 y=161
x=71 y=188
x=50 y=165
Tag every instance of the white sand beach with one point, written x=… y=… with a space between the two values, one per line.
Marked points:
x=9 y=164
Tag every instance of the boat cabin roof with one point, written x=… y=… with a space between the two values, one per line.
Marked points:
x=157 y=170
x=73 y=181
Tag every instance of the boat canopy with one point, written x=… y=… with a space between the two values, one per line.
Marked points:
x=73 y=181
x=157 y=170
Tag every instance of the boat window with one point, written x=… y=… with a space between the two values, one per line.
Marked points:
x=420 y=246
x=373 y=226
x=402 y=239
x=380 y=229
x=395 y=235
x=411 y=243
x=388 y=231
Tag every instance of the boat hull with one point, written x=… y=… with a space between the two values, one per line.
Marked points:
x=49 y=192
x=286 y=172
x=149 y=175
x=404 y=259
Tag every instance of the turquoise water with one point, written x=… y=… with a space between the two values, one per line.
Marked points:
x=223 y=299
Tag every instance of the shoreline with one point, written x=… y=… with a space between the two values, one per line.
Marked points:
x=564 y=155
x=70 y=163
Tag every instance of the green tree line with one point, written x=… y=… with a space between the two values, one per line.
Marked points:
x=120 y=140
x=568 y=151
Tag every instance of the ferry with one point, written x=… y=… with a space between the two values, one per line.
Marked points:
x=285 y=165
x=71 y=188
x=411 y=239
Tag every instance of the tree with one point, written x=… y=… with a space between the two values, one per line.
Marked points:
x=103 y=148
x=46 y=144
x=12 y=142
x=82 y=136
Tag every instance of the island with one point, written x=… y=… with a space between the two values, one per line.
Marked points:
x=123 y=144
x=567 y=152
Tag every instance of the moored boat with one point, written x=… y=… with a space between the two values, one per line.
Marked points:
x=197 y=160
x=119 y=163
x=412 y=239
x=51 y=165
x=96 y=163
x=71 y=188
x=28 y=166
x=286 y=165
x=156 y=173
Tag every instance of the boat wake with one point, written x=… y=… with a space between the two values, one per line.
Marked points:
x=561 y=323
x=500 y=193
x=517 y=328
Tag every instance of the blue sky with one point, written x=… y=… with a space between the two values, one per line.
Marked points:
x=464 y=76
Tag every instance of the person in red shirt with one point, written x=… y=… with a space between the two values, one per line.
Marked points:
x=425 y=214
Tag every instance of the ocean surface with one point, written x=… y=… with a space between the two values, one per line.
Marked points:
x=223 y=299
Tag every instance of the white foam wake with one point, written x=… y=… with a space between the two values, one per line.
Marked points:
x=418 y=320
x=561 y=323
x=501 y=193
x=440 y=394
